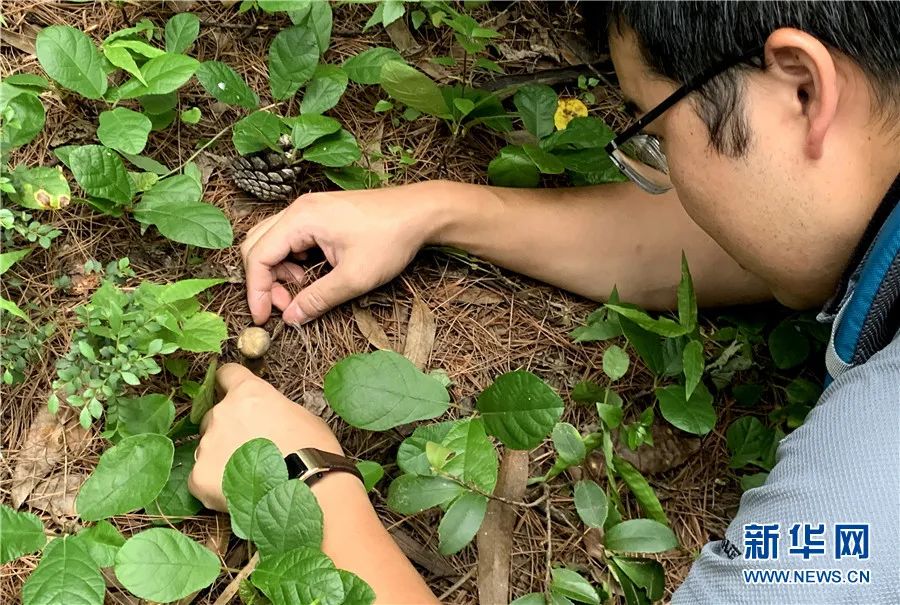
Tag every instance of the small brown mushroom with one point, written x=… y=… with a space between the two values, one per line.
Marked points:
x=253 y=343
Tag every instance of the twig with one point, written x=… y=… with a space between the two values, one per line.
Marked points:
x=549 y=539
x=235 y=584
x=481 y=492
x=457 y=584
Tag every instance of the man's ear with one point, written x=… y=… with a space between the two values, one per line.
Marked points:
x=802 y=61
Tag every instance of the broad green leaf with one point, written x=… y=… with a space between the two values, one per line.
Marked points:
x=568 y=443
x=315 y=16
x=260 y=130
x=641 y=489
x=572 y=585
x=137 y=47
x=372 y=472
x=307 y=128
x=148 y=164
x=693 y=366
x=753 y=480
x=66 y=574
x=475 y=459
x=179 y=188
x=351 y=178
x=461 y=522
x=789 y=347
x=28 y=82
x=520 y=409
x=414 y=89
x=546 y=162
x=124 y=130
x=303 y=575
x=611 y=414
x=191 y=116
x=120 y=57
x=588 y=391
x=391 y=11
x=380 y=390
x=748 y=441
x=101 y=541
x=356 y=591
x=536 y=104
x=411 y=453
x=20 y=534
x=101 y=173
x=513 y=168
x=186 y=288
x=333 y=150
x=644 y=573
x=159 y=104
x=410 y=494
x=324 y=90
x=293 y=57
x=253 y=470
x=12 y=308
x=615 y=362
x=194 y=223
x=695 y=415
x=143 y=28
x=139 y=415
x=181 y=31
x=175 y=501
x=687 y=299
x=226 y=85
x=128 y=477
x=581 y=133
x=591 y=503
x=8 y=259
x=163 y=74
x=647 y=344
x=662 y=326
x=24 y=118
x=163 y=565
x=287 y=517
x=70 y=57
x=640 y=535
x=365 y=68
x=205 y=398
x=532 y=598
x=437 y=455
x=203 y=332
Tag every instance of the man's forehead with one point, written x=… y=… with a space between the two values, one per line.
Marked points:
x=641 y=90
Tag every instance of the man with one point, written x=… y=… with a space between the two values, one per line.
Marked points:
x=772 y=128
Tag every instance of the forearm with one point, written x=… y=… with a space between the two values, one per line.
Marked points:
x=589 y=239
x=356 y=540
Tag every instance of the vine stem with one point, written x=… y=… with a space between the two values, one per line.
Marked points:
x=481 y=492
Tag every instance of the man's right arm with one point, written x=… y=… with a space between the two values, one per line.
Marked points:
x=582 y=239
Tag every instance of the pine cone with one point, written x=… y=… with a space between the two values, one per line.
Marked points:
x=268 y=175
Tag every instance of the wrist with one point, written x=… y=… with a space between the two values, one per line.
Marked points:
x=453 y=211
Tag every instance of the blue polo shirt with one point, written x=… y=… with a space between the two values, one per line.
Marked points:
x=825 y=526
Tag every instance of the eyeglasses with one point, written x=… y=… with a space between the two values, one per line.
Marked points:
x=639 y=155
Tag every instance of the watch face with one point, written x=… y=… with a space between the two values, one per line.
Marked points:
x=296 y=467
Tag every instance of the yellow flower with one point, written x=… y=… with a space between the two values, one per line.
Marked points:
x=567 y=110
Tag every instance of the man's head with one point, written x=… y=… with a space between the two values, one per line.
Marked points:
x=781 y=159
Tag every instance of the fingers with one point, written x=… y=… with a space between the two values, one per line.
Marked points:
x=231 y=375
x=323 y=294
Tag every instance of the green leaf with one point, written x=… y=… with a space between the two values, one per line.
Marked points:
x=411 y=456
x=380 y=390
x=41 y=187
x=163 y=565
x=203 y=333
x=615 y=362
x=788 y=345
x=163 y=74
x=28 y=82
x=383 y=105
x=333 y=150
x=475 y=459
x=175 y=501
x=588 y=391
x=753 y=480
x=391 y=11
x=356 y=591
x=226 y=85
x=186 y=288
x=532 y=598
x=520 y=409
x=124 y=130
x=572 y=585
x=352 y=177
x=536 y=104
x=181 y=31
x=310 y=127
x=258 y=131
x=687 y=299
x=461 y=522
x=662 y=326
x=591 y=503
x=437 y=455
x=695 y=415
x=568 y=443
x=365 y=68
x=120 y=57
x=21 y=533
x=148 y=164
x=645 y=574
x=66 y=574
x=463 y=105
x=545 y=162
x=693 y=366
x=70 y=57
x=641 y=489
x=12 y=308
x=414 y=89
x=287 y=517
x=372 y=472
x=302 y=575
x=410 y=494
x=193 y=223
x=205 y=398
x=128 y=477
x=610 y=414
x=293 y=57
x=513 y=168
x=581 y=133
x=640 y=535
x=324 y=90
x=317 y=17
x=101 y=541
x=253 y=470
x=135 y=46
x=8 y=259
x=748 y=441
x=139 y=415
x=27 y=120
x=191 y=116
x=647 y=344
x=101 y=173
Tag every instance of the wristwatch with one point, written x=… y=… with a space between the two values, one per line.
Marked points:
x=310 y=464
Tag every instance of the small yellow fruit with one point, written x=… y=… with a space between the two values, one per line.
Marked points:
x=567 y=110
x=253 y=343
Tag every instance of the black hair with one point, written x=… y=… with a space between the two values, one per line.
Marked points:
x=678 y=40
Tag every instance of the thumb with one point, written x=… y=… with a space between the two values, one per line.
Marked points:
x=322 y=295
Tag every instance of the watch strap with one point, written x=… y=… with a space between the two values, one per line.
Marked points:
x=310 y=464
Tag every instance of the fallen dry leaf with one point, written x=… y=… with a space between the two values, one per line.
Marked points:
x=23 y=40
x=44 y=447
x=314 y=401
x=56 y=495
x=419 y=334
x=371 y=329
x=400 y=35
